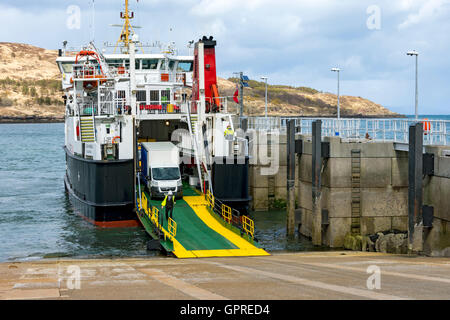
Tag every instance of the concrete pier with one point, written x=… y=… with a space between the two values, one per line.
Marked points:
x=364 y=191
x=289 y=276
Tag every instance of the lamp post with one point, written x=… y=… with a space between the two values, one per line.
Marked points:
x=415 y=53
x=265 y=79
x=337 y=70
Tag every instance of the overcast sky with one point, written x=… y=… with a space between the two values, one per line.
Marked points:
x=293 y=42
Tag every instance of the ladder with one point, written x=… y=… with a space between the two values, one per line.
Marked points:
x=87 y=129
x=192 y=123
x=356 y=192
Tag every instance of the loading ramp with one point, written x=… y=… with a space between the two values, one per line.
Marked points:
x=196 y=230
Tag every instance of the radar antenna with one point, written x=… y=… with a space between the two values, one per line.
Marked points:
x=127 y=30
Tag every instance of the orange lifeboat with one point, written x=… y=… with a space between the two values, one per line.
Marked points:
x=90 y=71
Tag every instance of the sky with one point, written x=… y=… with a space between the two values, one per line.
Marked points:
x=292 y=42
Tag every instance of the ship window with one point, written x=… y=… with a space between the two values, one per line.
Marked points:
x=171 y=65
x=127 y=63
x=154 y=97
x=67 y=67
x=149 y=64
x=141 y=96
x=185 y=66
x=114 y=62
x=166 y=173
x=120 y=94
x=138 y=64
x=165 y=97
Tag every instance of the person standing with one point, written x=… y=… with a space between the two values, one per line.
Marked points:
x=169 y=203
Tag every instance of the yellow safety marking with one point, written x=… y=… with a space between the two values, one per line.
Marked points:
x=198 y=204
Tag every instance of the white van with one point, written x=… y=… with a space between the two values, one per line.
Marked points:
x=161 y=168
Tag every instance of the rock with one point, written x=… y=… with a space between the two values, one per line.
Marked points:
x=392 y=243
x=368 y=244
x=379 y=241
x=353 y=242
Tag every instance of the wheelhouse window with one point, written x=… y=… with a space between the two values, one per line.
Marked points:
x=171 y=65
x=185 y=66
x=149 y=64
x=67 y=67
x=115 y=62
x=138 y=64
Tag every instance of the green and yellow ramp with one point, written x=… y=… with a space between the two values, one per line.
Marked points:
x=195 y=231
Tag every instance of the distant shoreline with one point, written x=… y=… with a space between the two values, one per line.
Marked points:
x=31 y=119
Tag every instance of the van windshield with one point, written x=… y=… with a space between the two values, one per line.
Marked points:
x=166 y=173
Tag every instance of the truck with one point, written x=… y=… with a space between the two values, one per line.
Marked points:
x=160 y=163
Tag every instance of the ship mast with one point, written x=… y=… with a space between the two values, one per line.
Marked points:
x=127 y=30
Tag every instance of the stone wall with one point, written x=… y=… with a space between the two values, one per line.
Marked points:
x=437 y=195
x=383 y=194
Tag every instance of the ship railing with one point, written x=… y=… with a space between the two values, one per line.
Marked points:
x=120 y=71
x=436 y=132
x=230 y=216
x=161 y=107
x=87 y=71
x=152 y=213
x=223 y=104
x=88 y=109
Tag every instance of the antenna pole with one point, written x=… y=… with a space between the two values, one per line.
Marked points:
x=93 y=20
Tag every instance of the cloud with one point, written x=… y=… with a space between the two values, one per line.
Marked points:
x=292 y=42
x=429 y=9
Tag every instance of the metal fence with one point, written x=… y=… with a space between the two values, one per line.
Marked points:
x=436 y=132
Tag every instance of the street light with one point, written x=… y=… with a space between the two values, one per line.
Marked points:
x=415 y=53
x=265 y=79
x=338 y=105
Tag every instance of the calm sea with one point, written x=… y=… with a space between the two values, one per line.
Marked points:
x=37 y=220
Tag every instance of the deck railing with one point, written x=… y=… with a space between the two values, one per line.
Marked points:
x=436 y=132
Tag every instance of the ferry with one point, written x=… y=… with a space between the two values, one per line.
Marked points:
x=116 y=102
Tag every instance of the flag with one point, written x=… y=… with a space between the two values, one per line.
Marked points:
x=236 y=95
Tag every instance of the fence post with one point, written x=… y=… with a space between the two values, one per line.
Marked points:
x=317 y=182
x=415 y=185
x=290 y=134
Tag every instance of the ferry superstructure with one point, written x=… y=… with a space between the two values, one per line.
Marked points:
x=116 y=101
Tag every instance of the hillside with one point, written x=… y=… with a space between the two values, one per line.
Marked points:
x=30 y=91
x=29 y=84
x=301 y=101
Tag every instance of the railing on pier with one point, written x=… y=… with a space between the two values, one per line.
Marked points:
x=436 y=132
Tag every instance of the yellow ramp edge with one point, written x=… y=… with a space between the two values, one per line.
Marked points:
x=245 y=248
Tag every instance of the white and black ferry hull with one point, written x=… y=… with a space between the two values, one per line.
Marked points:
x=102 y=192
